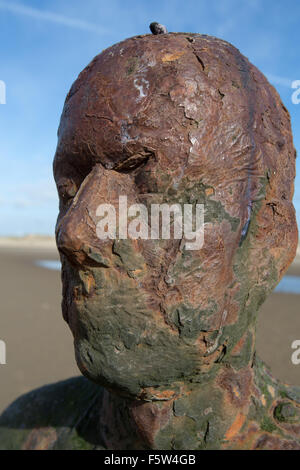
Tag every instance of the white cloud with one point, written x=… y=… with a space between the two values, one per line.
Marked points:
x=282 y=81
x=35 y=13
x=36 y=194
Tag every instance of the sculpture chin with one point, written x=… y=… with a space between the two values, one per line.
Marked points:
x=90 y=364
x=127 y=351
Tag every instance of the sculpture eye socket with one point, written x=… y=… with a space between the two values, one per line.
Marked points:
x=67 y=189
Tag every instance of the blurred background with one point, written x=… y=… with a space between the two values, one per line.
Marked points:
x=44 y=46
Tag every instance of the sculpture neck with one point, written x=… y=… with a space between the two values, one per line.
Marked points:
x=206 y=414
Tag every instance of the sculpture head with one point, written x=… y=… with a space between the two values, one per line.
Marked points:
x=175 y=118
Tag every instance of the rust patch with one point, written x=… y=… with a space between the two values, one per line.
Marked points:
x=209 y=191
x=171 y=57
x=237 y=386
x=268 y=442
x=239 y=346
x=150 y=419
x=235 y=427
x=160 y=394
x=40 y=439
x=271 y=390
x=263 y=400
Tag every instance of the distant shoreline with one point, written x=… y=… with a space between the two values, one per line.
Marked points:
x=48 y=242
x=28 y=241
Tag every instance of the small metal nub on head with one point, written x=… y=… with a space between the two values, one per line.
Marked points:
x=157 y=28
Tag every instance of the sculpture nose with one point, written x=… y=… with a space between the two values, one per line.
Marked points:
x=74 y=240
x=76 y=236
x=76 y=229
x=68 y=240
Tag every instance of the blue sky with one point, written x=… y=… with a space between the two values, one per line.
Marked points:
x=44 y=45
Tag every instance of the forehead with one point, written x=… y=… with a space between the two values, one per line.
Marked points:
x=144 y=93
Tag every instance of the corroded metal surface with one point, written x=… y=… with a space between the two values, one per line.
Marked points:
x=177 y=118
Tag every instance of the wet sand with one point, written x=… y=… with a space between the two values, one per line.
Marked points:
x=39 y=343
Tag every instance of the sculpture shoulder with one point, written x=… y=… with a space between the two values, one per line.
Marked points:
x=56 y=416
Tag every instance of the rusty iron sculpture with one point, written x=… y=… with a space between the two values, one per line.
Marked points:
x=166 y=336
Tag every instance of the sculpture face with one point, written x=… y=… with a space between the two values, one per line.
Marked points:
x=175 y=118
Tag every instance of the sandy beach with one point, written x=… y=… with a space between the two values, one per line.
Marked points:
x=39 y=345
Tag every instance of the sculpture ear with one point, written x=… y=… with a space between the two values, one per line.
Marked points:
x=276 y=236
